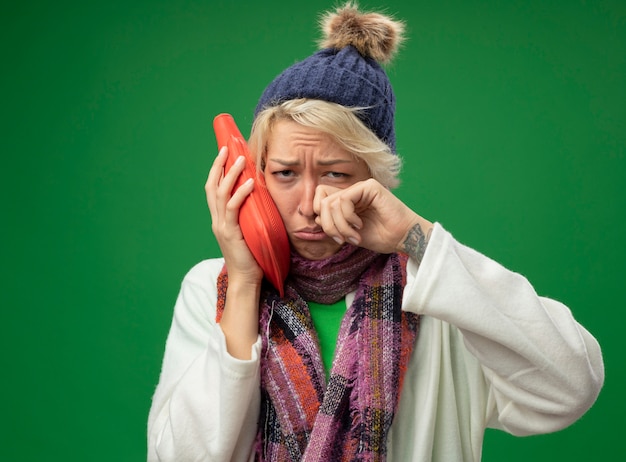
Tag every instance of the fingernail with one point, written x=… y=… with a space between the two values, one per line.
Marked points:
x=353 y=241
x=338 y=240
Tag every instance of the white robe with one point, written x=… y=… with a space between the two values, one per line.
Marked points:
x=490 y=353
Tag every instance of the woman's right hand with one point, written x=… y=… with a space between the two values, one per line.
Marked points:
x=240 y=319
x=224 y=205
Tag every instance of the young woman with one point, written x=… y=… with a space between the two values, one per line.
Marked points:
x=393 y=341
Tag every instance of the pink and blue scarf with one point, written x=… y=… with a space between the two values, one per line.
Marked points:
x=305 y=418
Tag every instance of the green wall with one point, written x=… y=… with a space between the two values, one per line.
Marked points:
x=511 y=119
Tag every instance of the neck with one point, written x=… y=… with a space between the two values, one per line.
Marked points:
x=330 y=279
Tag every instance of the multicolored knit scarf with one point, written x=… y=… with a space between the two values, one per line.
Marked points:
x=302 y=417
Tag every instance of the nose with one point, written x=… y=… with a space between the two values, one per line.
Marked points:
x=305 y=205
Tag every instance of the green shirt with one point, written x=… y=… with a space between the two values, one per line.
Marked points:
x=327 y=320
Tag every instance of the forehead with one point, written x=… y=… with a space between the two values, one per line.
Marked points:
x=288 y=138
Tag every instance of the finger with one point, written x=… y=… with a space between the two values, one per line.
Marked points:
x=337 y=208
x=236 y=201
x=226 y=184
x=344 y=219
x=321 y=193
x=352 y=221
x=217 y=168
x=227 y=228
x=215 y=174
x=322 y=208
x=330 y=216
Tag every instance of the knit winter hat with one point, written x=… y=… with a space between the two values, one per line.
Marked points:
x=347 y=70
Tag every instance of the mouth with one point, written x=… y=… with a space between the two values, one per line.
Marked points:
x=310 y=234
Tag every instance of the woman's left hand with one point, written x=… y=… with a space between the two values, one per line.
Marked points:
x=368 y=215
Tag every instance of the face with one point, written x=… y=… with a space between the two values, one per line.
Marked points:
x=298 y=160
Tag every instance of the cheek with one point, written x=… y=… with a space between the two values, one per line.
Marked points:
x=284 y=205
x=286 y=202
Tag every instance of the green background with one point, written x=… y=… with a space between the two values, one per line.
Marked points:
x=511 y=120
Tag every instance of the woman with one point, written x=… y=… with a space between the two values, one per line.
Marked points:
x=392 y=341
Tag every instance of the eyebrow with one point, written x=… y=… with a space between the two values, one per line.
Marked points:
x=293 y=163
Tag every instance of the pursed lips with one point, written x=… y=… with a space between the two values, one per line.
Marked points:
x=310 y=234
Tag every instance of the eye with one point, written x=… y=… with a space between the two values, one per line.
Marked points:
x=283 y=173
x=337 y=175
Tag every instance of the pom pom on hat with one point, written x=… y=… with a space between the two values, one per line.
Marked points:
x=372 y=34
x=346 y=70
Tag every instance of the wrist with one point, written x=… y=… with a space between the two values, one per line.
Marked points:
x=416 y=239
x=240 y=319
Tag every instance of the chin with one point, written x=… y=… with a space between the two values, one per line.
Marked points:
x=317 y=252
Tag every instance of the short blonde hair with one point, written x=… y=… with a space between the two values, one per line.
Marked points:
x=341 y=123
